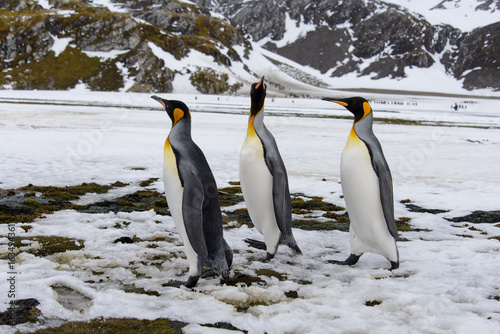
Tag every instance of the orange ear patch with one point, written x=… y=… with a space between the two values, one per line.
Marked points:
x=366 y=108
x=178 y=114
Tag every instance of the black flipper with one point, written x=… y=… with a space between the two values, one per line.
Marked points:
x=350 y=261
x=192 y=212
x=191 y=283
x=256 y=243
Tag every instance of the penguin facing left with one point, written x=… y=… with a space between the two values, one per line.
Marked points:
x=264 y=181
x=192 y=197
x=367 y=187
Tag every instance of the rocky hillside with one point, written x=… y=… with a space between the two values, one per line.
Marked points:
x=219 y=46
x=76 y=42
x=369 y=38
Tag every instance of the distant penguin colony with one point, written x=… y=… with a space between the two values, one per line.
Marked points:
x=192 y=193
x=264 y=181
x=367 y=187
x=192 y=197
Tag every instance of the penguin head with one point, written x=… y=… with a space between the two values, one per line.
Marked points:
x=357 y=105
x=257 y=96
x=176 y=110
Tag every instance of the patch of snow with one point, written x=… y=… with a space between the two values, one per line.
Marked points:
x=60 y=44
x=105 y=55
x=460 y=14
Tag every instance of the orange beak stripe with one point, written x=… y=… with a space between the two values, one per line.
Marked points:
x=340 y=102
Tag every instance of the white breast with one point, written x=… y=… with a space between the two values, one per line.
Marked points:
x=360 y=186
x=174 y=193
x=257 y=187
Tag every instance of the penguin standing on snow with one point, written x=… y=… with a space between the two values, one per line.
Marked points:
x=192 y=198
x=367 y=188
x=264 y=181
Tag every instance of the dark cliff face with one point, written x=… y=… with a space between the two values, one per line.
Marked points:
x=370 y=38
x=478 y=59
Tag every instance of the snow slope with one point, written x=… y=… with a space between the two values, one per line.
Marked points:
x=461 y=14
x=446 y=283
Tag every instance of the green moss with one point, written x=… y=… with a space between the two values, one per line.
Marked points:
x=31 y=202
x=416 y=208
x=301 y=211
x=51 y=72
x=142 y=291
x=271 y=273
x=341 y=218
x=106 y=77
x=316 y=225
x=208 y=81
x=24 y=206
x=313 y=203
x=478 y=217
x=47 y=245
x=141 y=200
x=118 y=325
x=161 y=203
x=241 y=216
x=230 y=196
x=147 y=183
x=71 y=192
x=402 y=224
x=231 y=190
x=240 y=278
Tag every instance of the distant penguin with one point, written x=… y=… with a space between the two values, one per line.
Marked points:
x=264 y=181
x=367 y=188
x=192 y=198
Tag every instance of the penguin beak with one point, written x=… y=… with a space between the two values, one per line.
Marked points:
x=159 y=99
x=338 y=101
x=261 y=82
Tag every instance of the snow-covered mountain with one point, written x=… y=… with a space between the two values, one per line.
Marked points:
x=465 y=15
x=303 y=47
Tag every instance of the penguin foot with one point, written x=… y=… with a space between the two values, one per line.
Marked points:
x=256 y=243
x=191 y=283
x=268 y=257
x=351 y=260
x=394 y=265
x=209 y=273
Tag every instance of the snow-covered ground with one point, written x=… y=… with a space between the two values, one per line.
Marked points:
x=446 y=283
x=461 y=14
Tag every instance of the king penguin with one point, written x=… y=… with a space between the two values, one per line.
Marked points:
x=367 y=187
x=192 y=197
x=264 y=181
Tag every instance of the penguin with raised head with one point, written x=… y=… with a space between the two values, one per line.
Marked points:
x=367 y=187
x=264 y=181
x=192 y=198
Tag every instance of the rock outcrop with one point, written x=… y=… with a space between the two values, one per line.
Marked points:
x=369 y=38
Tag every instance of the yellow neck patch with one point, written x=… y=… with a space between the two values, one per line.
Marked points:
x=178 y=114
x=251 y=129
x=366 y=109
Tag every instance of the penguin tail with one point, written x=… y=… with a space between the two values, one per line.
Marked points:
x=289 y=240
x=256 y=244
x=296 y=249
